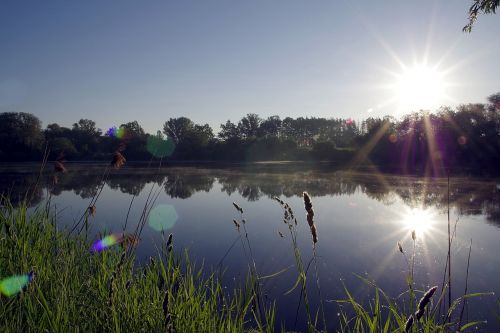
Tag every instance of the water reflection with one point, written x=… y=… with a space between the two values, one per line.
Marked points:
x=418 y=220
x=470 y=196
x=360 y=218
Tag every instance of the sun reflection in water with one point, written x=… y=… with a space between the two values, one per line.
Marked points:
x=419 y=219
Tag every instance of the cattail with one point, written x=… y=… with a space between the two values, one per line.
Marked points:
x=236 y=224
x=413 y=235
x=400 y=247
x=310 y=216
x=59 y=167
x=92 y=210
x=409 y=324
x=170 y=239
x=238 y=208
x=118 y=160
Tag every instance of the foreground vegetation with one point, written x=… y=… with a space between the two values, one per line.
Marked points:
x=77 y=289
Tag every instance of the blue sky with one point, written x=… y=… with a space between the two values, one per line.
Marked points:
x=118 y=61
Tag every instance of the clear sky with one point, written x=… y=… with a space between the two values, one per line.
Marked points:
x=119 y=61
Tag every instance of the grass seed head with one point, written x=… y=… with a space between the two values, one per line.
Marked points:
x=118 y=160
x=59 y=167
x=419 y=313
x=165 y=305
x=409 y=324
x=170 y=239
x=310 y=216
x=238 y=208
x=400 y=247
x=426 y=298
x=92 y=210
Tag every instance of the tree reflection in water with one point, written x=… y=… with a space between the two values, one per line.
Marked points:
x=469 y=196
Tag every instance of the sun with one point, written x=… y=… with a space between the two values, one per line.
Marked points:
x=419 y=87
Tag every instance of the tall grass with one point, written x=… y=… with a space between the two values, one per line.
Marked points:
x=77 y=289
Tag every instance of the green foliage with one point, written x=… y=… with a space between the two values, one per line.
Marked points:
x=20 y=134
x=466 y=137
x=74 y=288
x=480 y=7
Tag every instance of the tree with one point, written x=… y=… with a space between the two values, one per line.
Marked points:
x=85 y=136
x=63 y=146
x=494 y=101
x=480 y=7
x=20 y=135
x=87 y=127
x=248 y=126
x=133 y=129
x=229 y=131
x=178 y=128
x=271 y=127
x=55 y=131
x=202 y=133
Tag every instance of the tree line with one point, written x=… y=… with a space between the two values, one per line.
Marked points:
x=467 y=136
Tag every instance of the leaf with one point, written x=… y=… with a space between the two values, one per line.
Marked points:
x=466 y=326
x=275 y=274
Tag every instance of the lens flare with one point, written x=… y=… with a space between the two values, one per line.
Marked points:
x=163 y=217
x=160 y=147
x=14 y=284
x=118 y=133
x=106 y=242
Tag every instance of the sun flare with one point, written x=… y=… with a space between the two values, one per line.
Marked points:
x=419 y=219
x=419 y=87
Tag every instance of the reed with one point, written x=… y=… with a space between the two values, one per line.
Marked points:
x=291 y=222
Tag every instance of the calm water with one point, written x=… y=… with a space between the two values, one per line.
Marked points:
x=360 y=218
